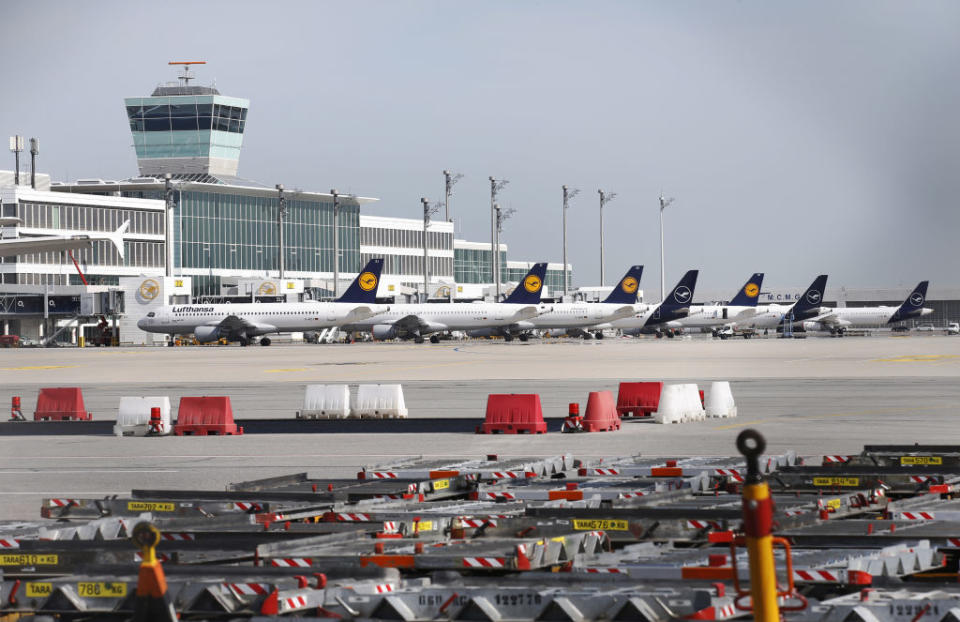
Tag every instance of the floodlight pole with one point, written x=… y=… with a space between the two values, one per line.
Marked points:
x=426 y=224
x=449 y=180
x=664 y=202
x=604 y=199
x=34 y=151
x=168 y=224
x=568 y=193
x=16 y=146
x=336 y=243
x=495 y=186
x=281 y=212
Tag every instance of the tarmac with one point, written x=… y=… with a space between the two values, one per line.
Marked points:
x=815 y=395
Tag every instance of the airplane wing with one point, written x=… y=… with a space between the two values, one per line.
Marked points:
x=410 y=324
x=829 y=318
x=363 y=312
x=529 y=311
x=235 y=325
x=622 y=312
x=46 y=244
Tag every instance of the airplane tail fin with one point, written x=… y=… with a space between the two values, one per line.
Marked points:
x=913 y=305
x=528 y=291
x=364 y=287
x=117 y=237
x=682 y=294
x=626 y=290
x=749 y=293
x=811 y=299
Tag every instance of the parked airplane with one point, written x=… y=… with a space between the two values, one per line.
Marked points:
x=577 y=316
x=743 y=306
x=241 y=322
x=10 y=247
x=415 y=321
x=806 y=307
x=656 y=318
x=838 y=320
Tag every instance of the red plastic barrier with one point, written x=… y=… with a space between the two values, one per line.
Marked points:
x=601 y=415
x=202 y=416
x=513 y=414
x=702 y=403
x=61 y=404
x=638 y=399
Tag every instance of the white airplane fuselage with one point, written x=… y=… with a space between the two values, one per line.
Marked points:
x=451 y=316
x=582 y=315
x=856 y=317
x=708 y=316
x=264 y=317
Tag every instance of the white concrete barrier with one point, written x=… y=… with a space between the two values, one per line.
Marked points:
x=679 y=403
x=720 y=400
x=325 y=401
x=670 y=409
x=133 y=415
x=379 y=401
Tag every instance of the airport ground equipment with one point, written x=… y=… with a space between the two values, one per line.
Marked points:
x=491 y=538
x=16 y=412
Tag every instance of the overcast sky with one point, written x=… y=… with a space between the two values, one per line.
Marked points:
x=798 y=138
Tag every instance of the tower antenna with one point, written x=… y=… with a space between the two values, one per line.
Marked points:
x=186 y=76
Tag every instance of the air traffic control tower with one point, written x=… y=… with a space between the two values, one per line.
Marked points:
x=184 y=129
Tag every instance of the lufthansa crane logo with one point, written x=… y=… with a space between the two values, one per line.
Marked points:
x=813 y=297
x=751 y=290
x=682 y=294
x=629 y=285
x=916 y=299
x=367 y=281
x=267 y=288
x=149 y=289
x=532 y=283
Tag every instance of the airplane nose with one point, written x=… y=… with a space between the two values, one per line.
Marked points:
x=142 y=323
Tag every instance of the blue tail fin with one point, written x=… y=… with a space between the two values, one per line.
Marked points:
x=364 y=287
x=682 y=294
x=749 y=293
x=527 y=291
x=810 y=301
x=625 y=292
x=677 y=303
x=913 y=305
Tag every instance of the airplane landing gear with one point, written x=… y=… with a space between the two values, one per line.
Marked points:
x=418 y=339
x=264 y=341
x=434 y=339
x=244 y=342
x=598 y=334
x=508 y=337
x=524 y=337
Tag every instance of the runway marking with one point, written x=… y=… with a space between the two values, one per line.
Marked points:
x=741 y=424
x=918 y=358
x=279 y=371
x=35 y=367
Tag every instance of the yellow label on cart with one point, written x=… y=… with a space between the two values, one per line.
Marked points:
x=101 y=590
x=836 y=481
x=834 y=504
x=29 y=559
x=150 y=506
x=583 y=524
x=425 y=525
x=39 y=590
x=911 y=460
x=441 y=484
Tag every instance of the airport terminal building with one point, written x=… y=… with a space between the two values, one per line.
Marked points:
x=224 y=229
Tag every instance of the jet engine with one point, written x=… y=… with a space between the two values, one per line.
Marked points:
x=384 y=331
x=207 y=334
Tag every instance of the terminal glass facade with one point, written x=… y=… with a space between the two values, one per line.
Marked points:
x=553 y=278
x=473 y=265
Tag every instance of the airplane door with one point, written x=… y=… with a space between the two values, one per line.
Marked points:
x=724 y=313
x=331 y=314
x=597 y=312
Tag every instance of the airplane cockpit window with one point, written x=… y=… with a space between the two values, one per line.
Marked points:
x=151 y=314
